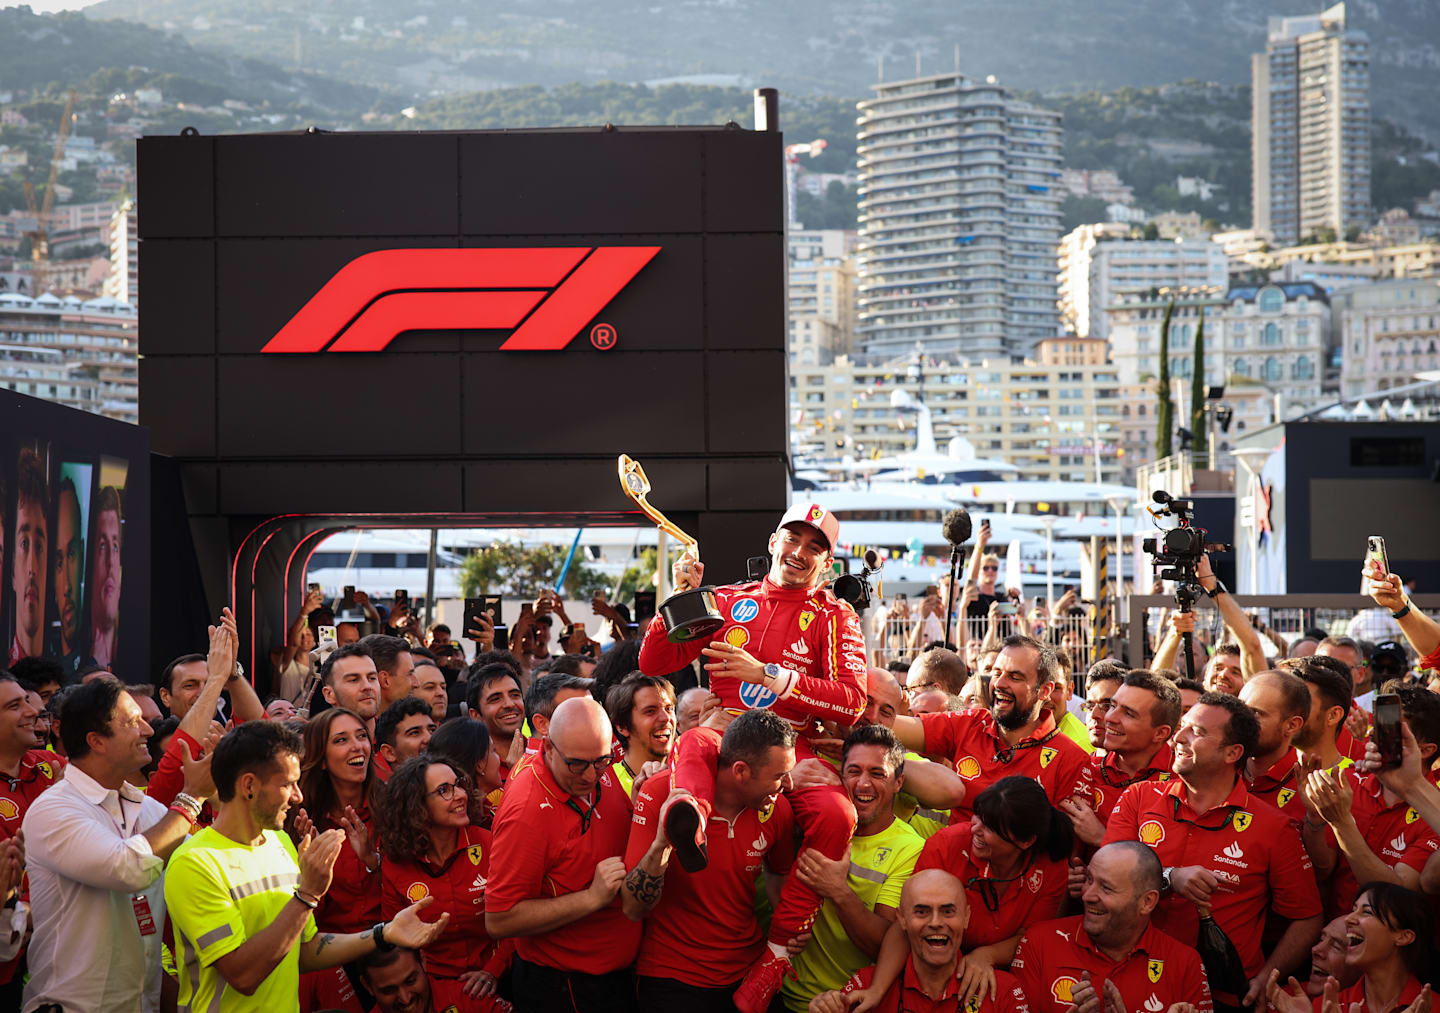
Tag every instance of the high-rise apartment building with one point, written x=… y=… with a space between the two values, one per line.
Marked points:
x=820 y=300
x=123 y=281
x=959 y=218
x=82 y=354
x=1311 y=127
x=1100 y=263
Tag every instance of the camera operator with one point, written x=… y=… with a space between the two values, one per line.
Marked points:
x=1252 y=655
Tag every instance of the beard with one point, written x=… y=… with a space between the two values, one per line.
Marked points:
x=1015 y=718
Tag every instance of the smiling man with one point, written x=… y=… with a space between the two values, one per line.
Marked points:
x=494 y=696
x=1112 y=953
x=69 y=574
x=1016 y=736
x=933 y=913
x=788 y=644
x=642 y=709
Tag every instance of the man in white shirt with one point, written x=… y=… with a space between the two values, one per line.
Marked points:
x=97 y=847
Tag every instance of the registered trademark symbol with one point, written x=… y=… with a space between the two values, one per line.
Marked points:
x=602 y=336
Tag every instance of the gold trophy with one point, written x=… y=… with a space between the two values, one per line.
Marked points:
x=689 y=615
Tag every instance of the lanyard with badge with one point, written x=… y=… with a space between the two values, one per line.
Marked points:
x=144 y=917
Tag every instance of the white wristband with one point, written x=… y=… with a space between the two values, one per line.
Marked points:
x=783 y=684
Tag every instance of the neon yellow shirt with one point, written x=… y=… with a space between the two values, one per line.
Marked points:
x=879 y=866
x=219 y=893
x=925 y=822
x=1074 y=729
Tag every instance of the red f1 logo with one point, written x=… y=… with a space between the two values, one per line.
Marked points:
x=546 y=294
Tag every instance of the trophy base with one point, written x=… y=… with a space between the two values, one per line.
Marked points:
x=691 y=615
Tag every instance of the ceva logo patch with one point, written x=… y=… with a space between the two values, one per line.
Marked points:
x=545 y=295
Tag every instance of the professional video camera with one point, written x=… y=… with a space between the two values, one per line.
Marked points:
x=853 y=588
x=1179 y=550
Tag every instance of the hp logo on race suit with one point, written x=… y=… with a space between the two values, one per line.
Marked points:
x=744 y=610
x=756 y=696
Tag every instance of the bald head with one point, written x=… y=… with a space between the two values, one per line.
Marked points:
x=934 y=887
x=1135 y=860
x=580 y=727
x=688 y=708
x=882 y=699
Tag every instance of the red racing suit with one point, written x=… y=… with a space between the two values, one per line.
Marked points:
x=816 y=637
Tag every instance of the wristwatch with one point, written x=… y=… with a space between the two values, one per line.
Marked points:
x=772 y=671
x=1165 y=878
x=1218 y=589
x=377 y=933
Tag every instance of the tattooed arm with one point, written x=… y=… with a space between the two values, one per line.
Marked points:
x=641 y=891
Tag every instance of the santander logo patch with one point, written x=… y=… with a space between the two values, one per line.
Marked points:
x=545 y=295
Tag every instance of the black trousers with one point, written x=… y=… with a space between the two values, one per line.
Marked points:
x=660 y=994
x=542 y=989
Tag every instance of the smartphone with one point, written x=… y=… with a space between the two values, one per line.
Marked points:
x=402 y=596
x=326 y=633
x=1387 y=729
x=1007 y=608
x=1375 y=551
x=348 y=598
x=474 y=609
x=644 y=607
x=901 y=596
x=314 y=588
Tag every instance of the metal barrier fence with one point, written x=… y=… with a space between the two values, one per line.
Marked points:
x=897 y=640
x=1288 y=615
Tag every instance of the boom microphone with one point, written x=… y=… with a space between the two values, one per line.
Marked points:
x=956 y=527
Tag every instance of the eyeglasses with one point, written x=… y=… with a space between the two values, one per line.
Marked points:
x=580 y=767
x=447 y=790
x=922 y=688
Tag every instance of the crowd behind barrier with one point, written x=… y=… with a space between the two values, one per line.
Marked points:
x=810 y=810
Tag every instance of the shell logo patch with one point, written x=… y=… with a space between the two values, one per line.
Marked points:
x=806 y=618
x=1063 y=988
x=737 y=636
x=1155 y=969
x=416 y=892
x=968 y=768
x=1152 y=832
x=1046 y=755
x=8 y=809
x=1240 y=821
x=1411 y=816
x=476 y=853
x=1284 y=795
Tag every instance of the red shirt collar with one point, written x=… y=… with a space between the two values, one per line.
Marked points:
x=910 y=981
x=1159 y=764
x=1044 y=730
x=1282 y=773
x=1146 y=944
x=774 y=590
x=1239 y=796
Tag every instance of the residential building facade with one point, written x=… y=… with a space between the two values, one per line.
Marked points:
x=123 y=281
x=959 y=218
x=1311 y=127
x=1099 y=263
x=1056 y=416
x=1388 y=332
x=81 y=354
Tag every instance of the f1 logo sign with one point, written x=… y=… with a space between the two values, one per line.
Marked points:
x=546 y=295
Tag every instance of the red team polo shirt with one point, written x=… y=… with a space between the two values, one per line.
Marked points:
x=1160 y=971
x=352 y=903
x=458 y=887
x=1254 y=851
x=39 y=769
x=906 y=996
x=447 y=995
x=711 y=912
x=328 y=990
x=1396 y=834
x=1101 y=782
x=1034 y=897
x=1277 y=786
x=1355 y=994
x=543 y=849
x=981 y=756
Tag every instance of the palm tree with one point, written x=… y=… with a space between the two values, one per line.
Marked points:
x=1165 y=413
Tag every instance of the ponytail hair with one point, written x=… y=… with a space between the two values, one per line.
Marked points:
x=1017 y=808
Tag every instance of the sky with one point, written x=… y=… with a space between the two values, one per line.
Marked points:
x=51 y=6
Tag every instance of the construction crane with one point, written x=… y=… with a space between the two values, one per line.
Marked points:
x=40 y=235
x=792 y=174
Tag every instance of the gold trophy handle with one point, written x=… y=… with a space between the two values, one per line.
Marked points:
x=636 y=487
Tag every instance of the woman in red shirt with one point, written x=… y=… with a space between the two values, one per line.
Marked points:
x=432 y=849
x=1391 y=933
x=1013 y=857
x=337 y=779
x=465 y=742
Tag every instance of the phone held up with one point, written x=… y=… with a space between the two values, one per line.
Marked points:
x=1388 y=738
x=1375 y=553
